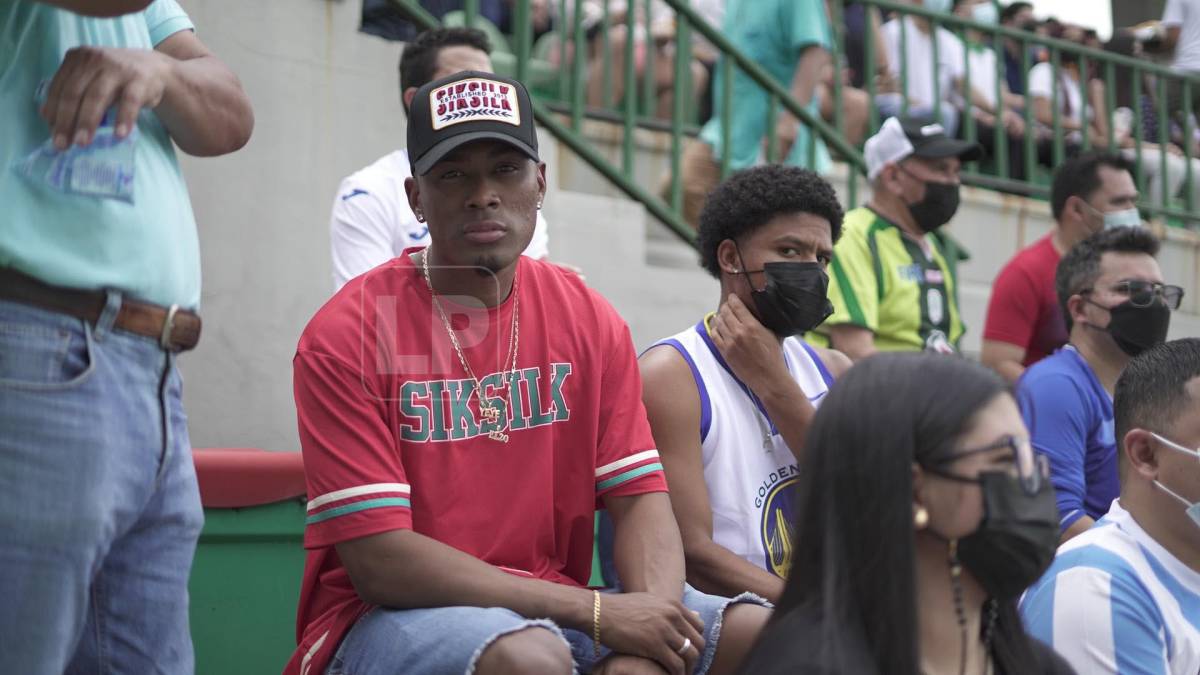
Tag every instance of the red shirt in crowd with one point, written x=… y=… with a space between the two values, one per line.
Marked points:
x=393 y=437
x=1024 y=310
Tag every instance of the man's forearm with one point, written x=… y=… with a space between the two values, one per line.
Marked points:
x=407 y=570
x=647 y=551
x=716 y=570
x=808 y=73
x=1077 y=528
x=1011 y=371
x=853 y=341
x=203 y=106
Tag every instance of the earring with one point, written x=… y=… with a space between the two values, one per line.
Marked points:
x=420 y=216
x=539 y=205
x=920 y=518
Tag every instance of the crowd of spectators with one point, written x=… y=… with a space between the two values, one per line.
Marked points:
x=1015 y=102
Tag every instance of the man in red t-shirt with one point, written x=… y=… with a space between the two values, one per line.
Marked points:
x=1024 y=321
x=463 y=411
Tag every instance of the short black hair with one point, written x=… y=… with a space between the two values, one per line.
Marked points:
x=1080 y=177
x=418 y=62
x=1012 y=9
x=1151 y=393
x=750 y=198
x=1080 y=267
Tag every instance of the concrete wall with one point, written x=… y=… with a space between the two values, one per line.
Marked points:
x=326 y=104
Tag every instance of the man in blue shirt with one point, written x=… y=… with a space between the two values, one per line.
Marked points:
x=1112 y=293
x=99 y=284
x=1123 y=597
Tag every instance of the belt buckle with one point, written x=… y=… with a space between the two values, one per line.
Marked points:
x=164 y=339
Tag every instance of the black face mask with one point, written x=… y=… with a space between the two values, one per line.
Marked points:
x=937 y=208
x=794 y=299
x=1136 y=329
x=1017 y=539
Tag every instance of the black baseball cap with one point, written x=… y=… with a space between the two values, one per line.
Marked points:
x=929 y=140
x=466 y=107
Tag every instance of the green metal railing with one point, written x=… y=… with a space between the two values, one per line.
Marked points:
x=559 y=67
x=1093 y=65
x=564 y=92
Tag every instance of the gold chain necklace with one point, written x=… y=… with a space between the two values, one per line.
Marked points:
x=508 y=372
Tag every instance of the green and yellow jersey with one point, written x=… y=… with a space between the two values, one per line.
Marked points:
x=884 y=281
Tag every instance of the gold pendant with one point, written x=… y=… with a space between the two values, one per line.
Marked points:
x=498 y=435
x=490 y=413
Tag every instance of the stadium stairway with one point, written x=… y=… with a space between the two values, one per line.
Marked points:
x=654 y=279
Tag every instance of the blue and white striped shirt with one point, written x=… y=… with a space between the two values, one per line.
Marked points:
x=1115 y=601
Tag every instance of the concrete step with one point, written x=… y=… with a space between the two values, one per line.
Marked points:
x=654 y=282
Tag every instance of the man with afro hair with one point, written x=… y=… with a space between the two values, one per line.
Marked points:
x=731 y=398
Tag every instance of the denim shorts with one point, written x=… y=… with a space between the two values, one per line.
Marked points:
x=450 y=640
x=99 y=507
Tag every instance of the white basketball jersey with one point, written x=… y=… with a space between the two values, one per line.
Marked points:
x=750 y=472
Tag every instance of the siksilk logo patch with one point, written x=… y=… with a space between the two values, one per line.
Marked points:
x=474 y=100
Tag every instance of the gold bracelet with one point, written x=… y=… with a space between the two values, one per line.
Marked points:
x=596 y=623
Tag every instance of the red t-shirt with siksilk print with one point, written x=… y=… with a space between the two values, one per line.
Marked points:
x=393 y=436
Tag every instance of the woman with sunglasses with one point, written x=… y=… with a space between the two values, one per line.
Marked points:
x=921 y=515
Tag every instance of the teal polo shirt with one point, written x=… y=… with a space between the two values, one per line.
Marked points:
x=148 y=249
x=772 y=33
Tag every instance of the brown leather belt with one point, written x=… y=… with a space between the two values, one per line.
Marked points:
x=175 y=329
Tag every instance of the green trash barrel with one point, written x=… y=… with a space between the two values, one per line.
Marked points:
x=246 y=575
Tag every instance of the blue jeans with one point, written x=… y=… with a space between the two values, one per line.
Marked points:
x=99 y=507
x=450 y=640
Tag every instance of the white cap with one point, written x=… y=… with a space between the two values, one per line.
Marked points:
x=900 y=138
x=888 y=146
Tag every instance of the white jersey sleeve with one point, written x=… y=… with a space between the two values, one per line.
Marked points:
x=539 y=245
x=1174 y=13
x=361 y=231
x=1041 y=81
x=1101 y=620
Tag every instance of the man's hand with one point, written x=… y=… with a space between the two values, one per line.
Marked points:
x=646 y=625
x=624 y=664
x=751 y=350
x=884 y=82
x=786 y=129
x=1014 y=124
x=92 y=79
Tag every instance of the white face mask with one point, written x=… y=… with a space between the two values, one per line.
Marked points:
x=1125 y=218
x=985 y=13
x=1193 y=509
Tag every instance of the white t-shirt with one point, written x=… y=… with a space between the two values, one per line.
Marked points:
x=372 y=222
x=919 y=48
x=982 y=61
x=1070 y=99
x=1186 y=15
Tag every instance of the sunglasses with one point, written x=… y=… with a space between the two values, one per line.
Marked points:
x=1030 y=468
x=1143 y=293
